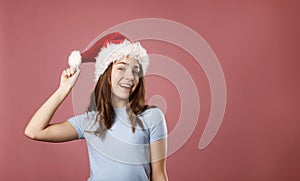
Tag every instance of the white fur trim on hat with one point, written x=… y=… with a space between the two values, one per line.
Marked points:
x=114 y=52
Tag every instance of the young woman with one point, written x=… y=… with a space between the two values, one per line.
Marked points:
x=126 y=138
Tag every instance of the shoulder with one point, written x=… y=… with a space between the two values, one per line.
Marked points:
x=154 y=113
x=152 y=116
x=86 y=116
x=84 y=119
x=154 y=120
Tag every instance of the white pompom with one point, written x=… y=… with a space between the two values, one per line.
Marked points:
x=74 y=59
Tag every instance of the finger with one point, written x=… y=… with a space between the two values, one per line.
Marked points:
x=77 y=70
x=76 y=73
x=65 y=74
x=69 y=72
x=72 y=70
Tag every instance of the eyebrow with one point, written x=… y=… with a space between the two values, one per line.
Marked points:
x=124 y=63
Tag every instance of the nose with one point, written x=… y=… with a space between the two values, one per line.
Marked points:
x=129 y=74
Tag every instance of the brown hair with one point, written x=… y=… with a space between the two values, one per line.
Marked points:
x=101 y=102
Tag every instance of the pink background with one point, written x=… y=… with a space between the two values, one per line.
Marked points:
x=257 y=43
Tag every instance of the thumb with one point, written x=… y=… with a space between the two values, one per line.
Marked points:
x=74 y=72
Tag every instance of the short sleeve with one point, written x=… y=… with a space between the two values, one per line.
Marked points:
x=82 y=123
x=155 y=121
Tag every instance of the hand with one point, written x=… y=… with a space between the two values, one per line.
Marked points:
x=69 y=77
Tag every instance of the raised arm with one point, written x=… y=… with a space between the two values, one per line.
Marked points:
x=39 y=127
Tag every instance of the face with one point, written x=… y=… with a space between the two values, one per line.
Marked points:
x=124 y=80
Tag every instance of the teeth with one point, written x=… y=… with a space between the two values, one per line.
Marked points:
x=125 y=85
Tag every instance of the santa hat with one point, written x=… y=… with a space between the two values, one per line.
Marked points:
x=108 y=49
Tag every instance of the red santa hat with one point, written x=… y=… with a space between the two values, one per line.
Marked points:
x=108 y=49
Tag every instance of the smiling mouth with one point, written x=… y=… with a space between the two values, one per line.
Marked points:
x=126 y=86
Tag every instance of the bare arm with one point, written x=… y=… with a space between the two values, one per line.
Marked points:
x=158 y=151
x=39 y=127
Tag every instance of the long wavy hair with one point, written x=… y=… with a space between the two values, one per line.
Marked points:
x=101 y=101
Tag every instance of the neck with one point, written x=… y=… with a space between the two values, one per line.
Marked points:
x=118 y=103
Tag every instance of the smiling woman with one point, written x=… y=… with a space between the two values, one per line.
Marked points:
x=117 y=105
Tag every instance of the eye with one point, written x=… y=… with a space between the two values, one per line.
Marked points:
x=136 y=71
x=121 y=69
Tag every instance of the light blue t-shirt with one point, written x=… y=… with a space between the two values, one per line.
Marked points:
x=122 y=155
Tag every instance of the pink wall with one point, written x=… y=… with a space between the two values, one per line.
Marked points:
x=257 y=43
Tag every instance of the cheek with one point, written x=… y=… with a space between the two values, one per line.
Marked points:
x=114 y=77
x=113 y=83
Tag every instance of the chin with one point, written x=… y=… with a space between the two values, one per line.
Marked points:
x=122 y=96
